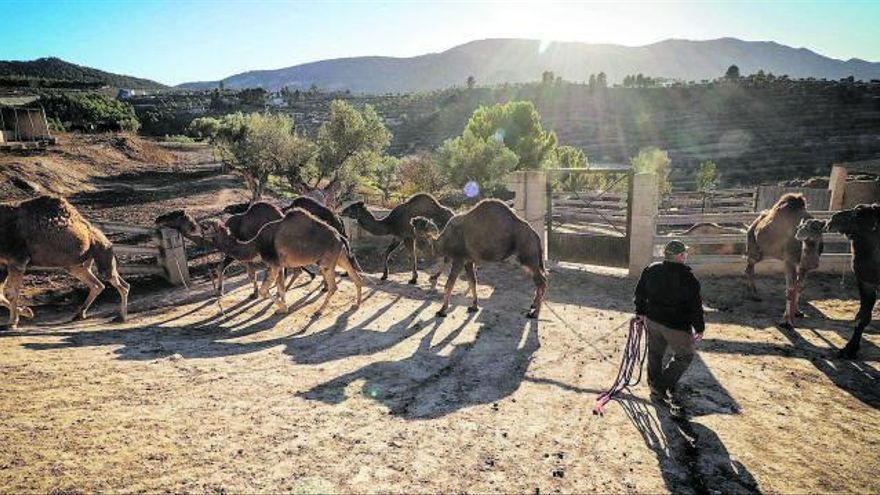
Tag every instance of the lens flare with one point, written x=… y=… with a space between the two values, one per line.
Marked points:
x=472 y=189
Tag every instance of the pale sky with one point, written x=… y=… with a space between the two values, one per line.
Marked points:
x=189 y=40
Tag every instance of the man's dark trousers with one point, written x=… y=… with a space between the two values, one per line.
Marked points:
x=682 y=347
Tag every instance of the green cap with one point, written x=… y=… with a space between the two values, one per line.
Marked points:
x=674 y=247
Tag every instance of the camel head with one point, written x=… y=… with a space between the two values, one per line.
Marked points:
x=354 y=210
x=810 y=230
x=863 y=219
x=182 y=222
x=426 y=234
x=213 y=230
x=236 y=209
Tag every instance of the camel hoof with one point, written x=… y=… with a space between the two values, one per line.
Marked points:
x=78 y=317
x=26 y=312
x=434 y=278
x=119 y=319
x=785 y=325
x=441 y=314
x=473 y=309
x=413 y=281
x=256 y=295
x=800 y=314
x=316 y=315
x=324 y=289
x=384 y=276
x=532 y=314
x=344 y=274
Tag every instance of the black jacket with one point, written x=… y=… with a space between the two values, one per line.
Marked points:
x=669 y=294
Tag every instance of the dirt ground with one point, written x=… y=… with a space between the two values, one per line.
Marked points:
x=389 y=398
x=190 y=395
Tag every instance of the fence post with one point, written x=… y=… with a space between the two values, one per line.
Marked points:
x=530 y=200
x=172 y=257
x=645 y=202
x=837 y=185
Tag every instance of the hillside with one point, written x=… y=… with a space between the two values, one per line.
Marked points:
x=54 y=71
x=754 y=133
x=498 y=61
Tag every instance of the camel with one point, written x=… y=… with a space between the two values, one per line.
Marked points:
x=297 y=240
x=48 y=231
x=788 y=233
x=862 y=226
x=398 y=224
x=320 y=211
x=490 y=231
x=705 y=228
x=243 y=226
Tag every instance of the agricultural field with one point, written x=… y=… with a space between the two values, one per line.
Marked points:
x=196 y=394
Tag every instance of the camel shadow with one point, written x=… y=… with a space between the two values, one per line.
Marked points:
x=441 y=377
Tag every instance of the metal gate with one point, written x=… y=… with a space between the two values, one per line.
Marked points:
x=589 y=215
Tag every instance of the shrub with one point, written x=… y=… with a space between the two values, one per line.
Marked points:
x=89 y=112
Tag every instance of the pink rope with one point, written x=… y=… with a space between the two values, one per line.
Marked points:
x=634 y=354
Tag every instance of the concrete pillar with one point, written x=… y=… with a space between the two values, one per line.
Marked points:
x=530 y=200
x=837 y=185
x=173 y=257
x=645 y=203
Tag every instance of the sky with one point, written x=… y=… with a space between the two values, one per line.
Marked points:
x=175 y=41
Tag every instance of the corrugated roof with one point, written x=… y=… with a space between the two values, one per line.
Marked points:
x=17 y=100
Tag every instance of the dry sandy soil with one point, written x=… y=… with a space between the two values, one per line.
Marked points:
x=188 y=397
x=389 y=398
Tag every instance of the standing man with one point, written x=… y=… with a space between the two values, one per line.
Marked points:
x=668 y=300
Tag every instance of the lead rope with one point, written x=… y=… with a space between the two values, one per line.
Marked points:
x=634 y=354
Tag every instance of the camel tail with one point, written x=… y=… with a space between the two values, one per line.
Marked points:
x=350 y=255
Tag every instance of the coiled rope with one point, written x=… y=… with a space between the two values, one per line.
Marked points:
x=634 y=354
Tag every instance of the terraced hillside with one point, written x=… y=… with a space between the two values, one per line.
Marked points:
x=753 y=132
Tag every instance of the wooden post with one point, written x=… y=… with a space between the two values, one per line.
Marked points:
x=645 y=202
x=530 y=200
x=837 y=185
x=173 y=257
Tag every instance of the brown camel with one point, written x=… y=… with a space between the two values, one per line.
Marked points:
x=862 y=226
x=47 y=231
x=297 y=240
x=785 y=232
x=243 y=226
x=705 y=228
x=490 y=231
x=398 y=224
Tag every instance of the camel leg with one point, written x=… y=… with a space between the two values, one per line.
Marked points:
x=14 y=276
x=750 y=279
x=411 y=247
x=790 y=295
x=391 y=247
x=22 y=310
x=801 y=282
x=440 y=268
x=95 y=286
x=295 y=275
x=310 y=273
x=457 y=265
x=867 y=296
x=272 y=277
x=281 y=289
x=353 y=274
x=471 y=271
x=329 y=274
x=267 y=282
x=540 y=279
x=221 y=270
x=123 y=288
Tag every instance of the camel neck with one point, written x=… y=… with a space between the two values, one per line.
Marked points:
x=240 y=250
x=373 y=225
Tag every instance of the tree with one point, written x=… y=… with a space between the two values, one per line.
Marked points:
x=656 y=161
x=517 y=125
x=204 y=128
x=470 y=157
x=254 y=147
x=253 y=96
x=732 y=73
x=471 y=82
x=350 y=144
x=592 y=83
x=547 y=77
x=707 y=176
x=89 y=112
x=602 y=80
x=418 y=173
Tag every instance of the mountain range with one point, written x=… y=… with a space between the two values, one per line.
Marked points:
x=497 y=61
x=55 y=69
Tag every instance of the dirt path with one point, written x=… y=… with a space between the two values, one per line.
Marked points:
x=390 y=399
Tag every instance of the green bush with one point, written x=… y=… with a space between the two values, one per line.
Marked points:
x=89 y=112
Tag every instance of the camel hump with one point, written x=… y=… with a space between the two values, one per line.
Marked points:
x=794 y=201
x=49 y=213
